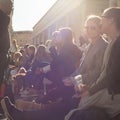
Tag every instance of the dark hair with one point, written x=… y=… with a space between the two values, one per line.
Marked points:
x=67 y=34
x=113 y=12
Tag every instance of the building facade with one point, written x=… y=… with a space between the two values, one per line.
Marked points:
x=71 y=13
x=22 y=37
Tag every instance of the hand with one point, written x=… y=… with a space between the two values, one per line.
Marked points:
x=81 y=87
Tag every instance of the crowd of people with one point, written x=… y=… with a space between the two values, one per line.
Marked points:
x=72 y=82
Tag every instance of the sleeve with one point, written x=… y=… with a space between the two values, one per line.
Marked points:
x=100 y=84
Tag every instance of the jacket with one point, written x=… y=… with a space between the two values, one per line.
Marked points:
x=111 y=77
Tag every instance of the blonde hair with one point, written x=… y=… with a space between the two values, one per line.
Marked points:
x=94 y=18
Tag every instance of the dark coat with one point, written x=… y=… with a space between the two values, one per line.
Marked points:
x=4 y=43
x=64 y=63
x=4 y=34
x=111 y=79
x=113 y=69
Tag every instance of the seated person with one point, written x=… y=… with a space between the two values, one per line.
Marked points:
x=65 y=59
x=105 y=93
x=90 y=67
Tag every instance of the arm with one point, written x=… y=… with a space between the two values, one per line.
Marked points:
x=100 y=84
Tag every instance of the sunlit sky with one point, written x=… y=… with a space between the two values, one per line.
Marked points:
x=28 y=12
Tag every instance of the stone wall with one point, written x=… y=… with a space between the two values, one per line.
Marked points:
x=23 y=37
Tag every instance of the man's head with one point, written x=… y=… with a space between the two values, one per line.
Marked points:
x=111 y=19
x=6 y=6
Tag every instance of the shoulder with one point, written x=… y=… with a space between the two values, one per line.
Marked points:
x=116 y=44
x=102 y=44
x=103 y=41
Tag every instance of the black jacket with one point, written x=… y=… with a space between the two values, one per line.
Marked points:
x=111 y=80
x=4 y=34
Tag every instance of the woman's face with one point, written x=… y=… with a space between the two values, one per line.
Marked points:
x=92 y=29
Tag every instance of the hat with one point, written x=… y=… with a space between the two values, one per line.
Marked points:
x=6 y=6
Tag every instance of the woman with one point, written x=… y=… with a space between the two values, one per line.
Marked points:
x=34 y=76
x=64 y=63
x=91 y=63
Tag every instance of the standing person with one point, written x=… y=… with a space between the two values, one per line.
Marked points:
x=5 y=10
x=106 y=92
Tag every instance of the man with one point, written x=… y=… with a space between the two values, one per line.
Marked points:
x=106 y=92
x=5 y=10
